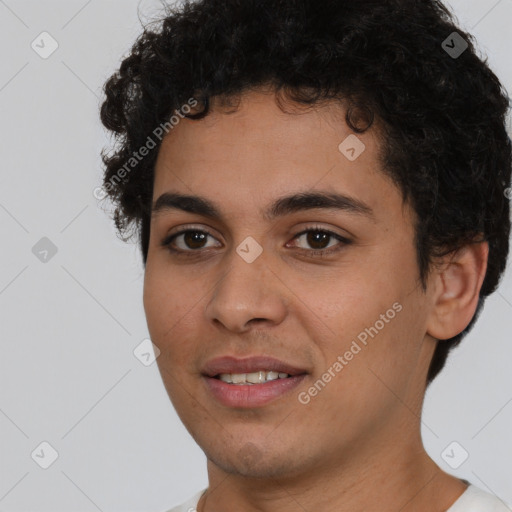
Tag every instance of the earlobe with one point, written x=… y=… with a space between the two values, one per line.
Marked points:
x=458 y=283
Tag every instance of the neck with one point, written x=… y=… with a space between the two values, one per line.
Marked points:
x=376 y=476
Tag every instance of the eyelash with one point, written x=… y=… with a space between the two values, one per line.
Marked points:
x=313 y=252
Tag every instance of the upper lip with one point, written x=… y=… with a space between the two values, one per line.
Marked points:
x=230 y=364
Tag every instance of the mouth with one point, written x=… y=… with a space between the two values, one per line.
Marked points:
x=250 y=379
x=251 y=382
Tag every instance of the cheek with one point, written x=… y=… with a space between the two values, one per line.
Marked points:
x=156 y=301
x=371 y=374
x=168 y=307
x=376 y=313
x=390 y=356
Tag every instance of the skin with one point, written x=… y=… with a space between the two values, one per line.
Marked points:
x=356 y=446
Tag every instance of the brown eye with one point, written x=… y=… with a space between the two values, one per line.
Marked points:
x=194 y=239
x=189 y=240
x=319 y=239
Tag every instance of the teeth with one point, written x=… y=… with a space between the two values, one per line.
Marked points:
x=255 y=378
x=238 y=378
x=252 y=378
x=226 y=377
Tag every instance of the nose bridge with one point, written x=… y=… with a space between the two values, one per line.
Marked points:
x=247 y=291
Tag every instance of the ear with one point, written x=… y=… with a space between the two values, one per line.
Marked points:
x=457 y=284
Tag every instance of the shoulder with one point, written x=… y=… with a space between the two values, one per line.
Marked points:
x=189 y=505
x=475 y=499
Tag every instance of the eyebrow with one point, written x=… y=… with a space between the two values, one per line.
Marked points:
x=282 y=206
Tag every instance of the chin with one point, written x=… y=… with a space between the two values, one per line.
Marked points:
x=253 y=461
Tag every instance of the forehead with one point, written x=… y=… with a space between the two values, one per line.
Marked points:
x=246 y=156
x=258 y=124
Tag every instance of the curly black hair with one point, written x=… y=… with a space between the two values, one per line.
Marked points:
x=442 y=109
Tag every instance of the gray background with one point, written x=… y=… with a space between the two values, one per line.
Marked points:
x=69 y=325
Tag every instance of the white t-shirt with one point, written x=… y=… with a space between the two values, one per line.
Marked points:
x=472 y=500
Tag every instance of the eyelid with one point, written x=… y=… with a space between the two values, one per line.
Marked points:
x=201 y=227
x=316 y=228
x=332 y=234
x=185 y=229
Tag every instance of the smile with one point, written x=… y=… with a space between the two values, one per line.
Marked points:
x=258 y=377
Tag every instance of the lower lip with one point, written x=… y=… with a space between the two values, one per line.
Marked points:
x=256 y=395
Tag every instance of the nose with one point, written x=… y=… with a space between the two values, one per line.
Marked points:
x=247 y=294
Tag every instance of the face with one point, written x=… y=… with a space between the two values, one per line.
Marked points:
x=325 y=291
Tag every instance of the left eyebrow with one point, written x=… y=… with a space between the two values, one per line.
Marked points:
x=282 y=206
x=312 y=200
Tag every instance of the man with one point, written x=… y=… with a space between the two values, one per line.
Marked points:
x=320 y=193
